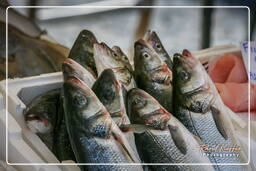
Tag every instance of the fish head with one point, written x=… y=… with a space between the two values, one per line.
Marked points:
x=105 y=57
x=38 y=123
x=152 y=39
x=86 y=39
x=123 y=57
x=72 y=68
x=144 y=109
x=145 y=57
x=82 y=103
x=189 y=77
x=109 y=91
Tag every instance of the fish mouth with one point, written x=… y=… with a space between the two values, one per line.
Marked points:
x=166 y=78
x=182 y=60
x=102 y=49
x=150 y=37
x=141 y=44
x=197 y=90
x=69 y=66
x=88 y=35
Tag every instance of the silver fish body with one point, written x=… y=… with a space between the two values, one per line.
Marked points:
x=94 y=137
x=199 y=107
x=161 y=138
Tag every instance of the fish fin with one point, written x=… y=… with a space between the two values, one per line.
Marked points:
x=119 y=137
x=200 y=142
x=218 y=122
x=178 y=139
x=135 y=128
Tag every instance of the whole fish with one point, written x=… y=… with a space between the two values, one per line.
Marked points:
x=105 y=58
x=152 y=38
x=82 y=51
x=161 y=137
x=72 y=68
x=62 y=147
x=199 y=107
x=40 y=116
x=152 y=74
x=110 y=92
x=95 y=138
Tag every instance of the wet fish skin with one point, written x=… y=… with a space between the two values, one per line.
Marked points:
x=82 y=51
x=40 y=115
x=61 y=143
x=153 y=39
x=109 y=91
x=95 y=138
x=161 y=137
x=72 y=68
x=199 y=107
x=123 y=57
x=106 y=58
x=152 y=74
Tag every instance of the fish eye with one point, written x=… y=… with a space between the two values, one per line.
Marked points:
x=125 y=58
x=145 y=55
x=158 y=46
x=184 y=75
x=79 y=100
x=139 y=103
x=114 y=54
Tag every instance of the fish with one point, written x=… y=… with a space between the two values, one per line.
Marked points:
x=105 y=58
x=152 y=74
x=199 y=107
x=152 y=39
x=110 y=92
x=82 y=51
x=40 y=116
x=61 y=144
x=160 y=137
x=72 y=68
x=123 y=57
x=62 y=147
x=94 y=136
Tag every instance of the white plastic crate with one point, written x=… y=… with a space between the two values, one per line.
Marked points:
x=24 y=145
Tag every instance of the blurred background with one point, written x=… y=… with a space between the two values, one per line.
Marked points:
x=178 y=28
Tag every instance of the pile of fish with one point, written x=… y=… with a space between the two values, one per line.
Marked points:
x=163 y=113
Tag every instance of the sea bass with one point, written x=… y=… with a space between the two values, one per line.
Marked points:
x=152 y=74
x=82 y=51
x=152 y=38
x=110 y=92
x=160 y=136
x=62 y=147
x=105 y=58
x=41 y=114
x=199 y=107
x=95 y=138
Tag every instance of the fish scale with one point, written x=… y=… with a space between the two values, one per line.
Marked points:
x=160 y=148
x=105 y=151
x=204 y=125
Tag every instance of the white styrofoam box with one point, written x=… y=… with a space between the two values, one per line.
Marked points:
x=21 y=140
